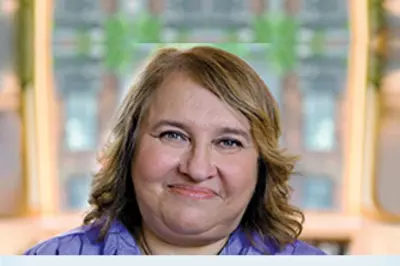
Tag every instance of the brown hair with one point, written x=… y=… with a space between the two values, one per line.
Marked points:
x=230 y=78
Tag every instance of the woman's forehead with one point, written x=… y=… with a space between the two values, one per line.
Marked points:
x=181 y=98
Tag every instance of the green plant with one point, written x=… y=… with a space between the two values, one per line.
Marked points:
x=118 y=46
x=377 y=16
x=378 y=31
x=239 y=49
x=280 y=31
x=123 y=38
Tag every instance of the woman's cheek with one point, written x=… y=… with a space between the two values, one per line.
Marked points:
x=239 y=173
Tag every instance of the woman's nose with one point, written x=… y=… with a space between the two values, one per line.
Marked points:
x=197 y=164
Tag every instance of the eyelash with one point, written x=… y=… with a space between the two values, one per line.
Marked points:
x=235 y=142
x=169 y=133
x=174 y=135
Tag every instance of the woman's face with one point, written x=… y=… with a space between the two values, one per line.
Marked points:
x=195 y=165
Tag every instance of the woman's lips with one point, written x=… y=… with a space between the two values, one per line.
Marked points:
x=193 y=191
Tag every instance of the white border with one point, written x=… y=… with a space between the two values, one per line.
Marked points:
x=201 y=260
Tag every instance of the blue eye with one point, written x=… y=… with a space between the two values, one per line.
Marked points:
x=230 y=143
x=172 y=136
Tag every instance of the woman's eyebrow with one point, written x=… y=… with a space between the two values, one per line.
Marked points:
x=171 y=123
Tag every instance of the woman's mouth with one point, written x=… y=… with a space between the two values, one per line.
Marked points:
x=193 y=192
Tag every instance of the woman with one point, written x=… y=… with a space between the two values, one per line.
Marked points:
x=193 y=167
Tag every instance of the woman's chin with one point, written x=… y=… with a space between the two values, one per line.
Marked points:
x=188 y=222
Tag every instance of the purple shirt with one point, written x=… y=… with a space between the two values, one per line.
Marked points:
x=118 y=241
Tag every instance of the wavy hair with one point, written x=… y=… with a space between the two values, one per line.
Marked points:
x=232 y=80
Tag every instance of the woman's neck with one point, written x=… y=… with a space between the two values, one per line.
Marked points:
x=153 y=245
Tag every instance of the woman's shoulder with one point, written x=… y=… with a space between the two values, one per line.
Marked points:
x=81 y=240
x=260 y=245
x=84 y=240
x=302 y=248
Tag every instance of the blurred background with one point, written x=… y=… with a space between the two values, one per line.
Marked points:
x=333 y=66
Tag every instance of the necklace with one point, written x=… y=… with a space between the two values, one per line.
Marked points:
x=145 y=246
x=147 y=249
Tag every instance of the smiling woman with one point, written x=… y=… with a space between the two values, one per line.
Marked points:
x=193 y=166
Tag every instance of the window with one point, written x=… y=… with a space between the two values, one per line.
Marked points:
x=313 y=192
x=81 y=120
x=230 y=6
x=191 y=6
x=11 y=182
x=133 y=7
x=210 y=7
x=78 y=71
x=325 y=7
x=318 y=193
x=275 y=6
x=319 y=109
x=6 y=43
x=323 y=14
x=74 y=11
x=320 y=94
x=77 y=191
x=206 y=13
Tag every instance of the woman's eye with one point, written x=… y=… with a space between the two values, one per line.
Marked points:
x=230 y=143
x=172 y=136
